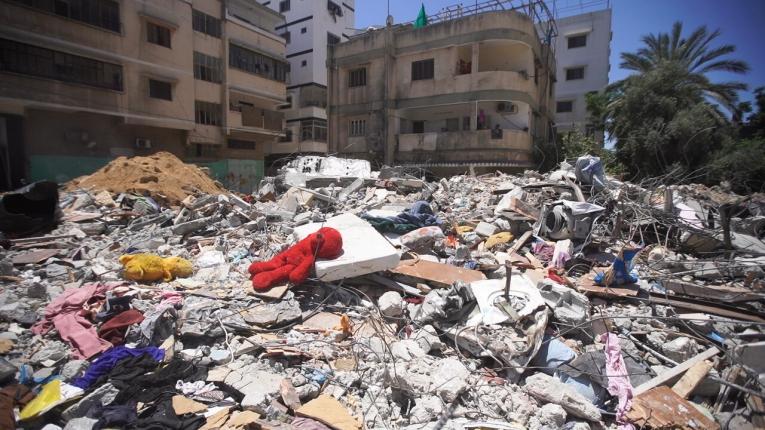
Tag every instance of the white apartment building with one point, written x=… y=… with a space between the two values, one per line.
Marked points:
x=582 y=52
x=311 y=25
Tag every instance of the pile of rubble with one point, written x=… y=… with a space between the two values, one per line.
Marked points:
x=559 y=301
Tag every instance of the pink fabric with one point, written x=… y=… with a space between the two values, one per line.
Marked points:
x=65 y=313
x=171 y=299
x=618 y=378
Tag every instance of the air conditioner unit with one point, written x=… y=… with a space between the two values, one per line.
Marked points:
x=141 y=143
x=507 y=107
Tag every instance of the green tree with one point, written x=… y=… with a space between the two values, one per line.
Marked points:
x=696 y=55
x=669 y=114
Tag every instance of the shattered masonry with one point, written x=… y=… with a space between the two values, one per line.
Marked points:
x=539 y=301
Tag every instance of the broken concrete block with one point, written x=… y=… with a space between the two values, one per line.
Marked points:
x=428 y=339
x=83 y=423
x=426 y=409
x=364 y=249
x=552 y=415
x=391 y=304
x=423 y=239
x=257 y=386
x=485 y=229
x=548 y=389
x=679 y=349
x=406 y=350
x=449 y=378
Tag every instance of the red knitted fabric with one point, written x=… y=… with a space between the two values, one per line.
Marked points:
x=295 y=263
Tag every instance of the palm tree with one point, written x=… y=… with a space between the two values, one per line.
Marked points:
x=696 y=55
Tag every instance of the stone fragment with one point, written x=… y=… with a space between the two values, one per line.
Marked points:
x=485 y=229
x=406 y=350
x=679 y=349
x=548 y=389
x=391 y=304
x=83 y=423
x=258 y=387
x=37 y=291
x=423 y=239
x=552 y=415
x=428 y=339
x=449 y=378
x=425 y=410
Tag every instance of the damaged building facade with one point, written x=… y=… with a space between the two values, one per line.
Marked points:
x=84 y=82
x=310 y=28
x=473 y=89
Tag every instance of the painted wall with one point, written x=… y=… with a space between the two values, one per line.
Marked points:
x=594 y=57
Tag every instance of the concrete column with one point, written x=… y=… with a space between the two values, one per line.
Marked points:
x=389 y=118
x=474 y=60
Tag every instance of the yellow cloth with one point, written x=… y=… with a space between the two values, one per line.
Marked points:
x=149 y=267
x=464 y=229
x=496 y=239
x=49 y=396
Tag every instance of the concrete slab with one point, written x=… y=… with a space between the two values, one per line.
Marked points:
x=364 y=249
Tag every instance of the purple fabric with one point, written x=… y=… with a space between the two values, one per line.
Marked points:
x=106 y=362
x=65 y=314
x=619 y=384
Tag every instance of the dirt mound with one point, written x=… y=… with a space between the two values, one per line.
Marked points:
x=162 y=176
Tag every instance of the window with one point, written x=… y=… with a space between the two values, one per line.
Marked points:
x=452 y=124
x=564 y=106
x=257 y=63
x=334 y=9
x=313 y=129
x=332 y=39
x=207 y=113
x=304 y=30
x=286 y=36
x=160 y=90
x=575 y=73
x=101 y=13
x=157 y=34
x=577 y=41
x=284 y=6
x=422 y=70
x=45 y=63
x=465 y=123
x=207 y=68
x=357 y=127
x=203 y=150
x=240 y=144
x=205 y=23
x=418 y=127
x=303 y=63
x=357 y=77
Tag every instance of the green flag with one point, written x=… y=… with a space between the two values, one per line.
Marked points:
x=422 y=18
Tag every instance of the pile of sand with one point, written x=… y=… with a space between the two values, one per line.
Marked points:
x=162 y=176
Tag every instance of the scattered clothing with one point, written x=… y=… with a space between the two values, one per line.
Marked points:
x=115 y=329
x=65 y=313
x=113 y=416
x=161 y=415
x=157 y=326
x=419 y=215
x=106 y=363
x=13 y=396
x=113 y=306
x=619 y=384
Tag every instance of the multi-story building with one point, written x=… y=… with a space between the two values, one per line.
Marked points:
x=582 y=52
x=472 y=89
x=311 y=26
x=84 y=81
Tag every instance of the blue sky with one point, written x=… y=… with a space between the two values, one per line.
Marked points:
x=742 y=23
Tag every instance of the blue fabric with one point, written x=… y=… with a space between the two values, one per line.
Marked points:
x=622 y=269
x=418 y=216
x=106 y=362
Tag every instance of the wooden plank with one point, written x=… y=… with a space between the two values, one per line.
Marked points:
x=436 y=274
x=518 y=244
x=692 y=378
x=35 y=256
x=274 y=293
x=523 y=208
x=675 y=371
x=718 y=292
x=661 y=407
x=587 y=286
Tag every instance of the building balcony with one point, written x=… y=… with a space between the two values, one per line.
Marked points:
x=509 y=146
